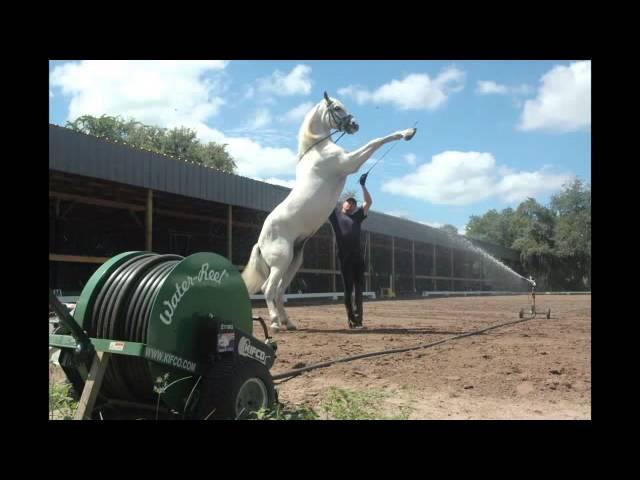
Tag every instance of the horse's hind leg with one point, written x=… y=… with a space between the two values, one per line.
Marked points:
x=278 y=255
x=270 y=289
x=282 y=288
x=282 y=313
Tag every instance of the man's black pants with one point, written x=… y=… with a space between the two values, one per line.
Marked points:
x=352 y=267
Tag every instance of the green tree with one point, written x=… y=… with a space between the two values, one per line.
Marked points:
x=179 y=142
x=449 y=229
x=533 y=225
x=215 y=155
x=494 y=227
x=572 y=235
x=105 y=126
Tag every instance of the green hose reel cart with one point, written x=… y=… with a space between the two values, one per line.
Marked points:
x=163 y=336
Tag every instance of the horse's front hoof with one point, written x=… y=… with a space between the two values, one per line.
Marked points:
x=409 y=135
x=275 y=327
x=291 y=326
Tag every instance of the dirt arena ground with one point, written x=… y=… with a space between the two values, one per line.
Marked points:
x=538 y=369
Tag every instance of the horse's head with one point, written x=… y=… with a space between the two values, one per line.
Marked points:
x=337 y=116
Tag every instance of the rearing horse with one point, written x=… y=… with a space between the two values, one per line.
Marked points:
x=321 y=173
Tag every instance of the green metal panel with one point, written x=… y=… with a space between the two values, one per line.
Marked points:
x=101 y=345
x=62 y=341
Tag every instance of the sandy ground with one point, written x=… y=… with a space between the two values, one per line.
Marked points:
x=539 y=369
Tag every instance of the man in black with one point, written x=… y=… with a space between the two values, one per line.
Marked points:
x=346 y=221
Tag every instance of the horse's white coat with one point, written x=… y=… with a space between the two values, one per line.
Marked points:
x=320 y=177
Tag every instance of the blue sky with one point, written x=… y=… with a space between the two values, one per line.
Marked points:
x=490 y=133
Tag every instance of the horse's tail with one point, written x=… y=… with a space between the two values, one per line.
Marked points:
x=256 y=271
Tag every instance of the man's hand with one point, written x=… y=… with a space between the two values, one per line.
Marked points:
x=363 y=179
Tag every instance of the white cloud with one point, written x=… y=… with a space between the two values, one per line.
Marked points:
x=168 y=94
x=279 y=181
x=252 y=158
x=416 y=91
x=261 y=119
x=518 y=186
x=298 y=113
x=158 y=92
x=462 y=230
x=563 y=102
x=50 y=94
x=249 y=92
x=357 y=93
x=463 y=178
x=296 y=82
x=489 y=87
x=410 y=158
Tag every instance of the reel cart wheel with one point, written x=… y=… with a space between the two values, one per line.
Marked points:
x=237 y=388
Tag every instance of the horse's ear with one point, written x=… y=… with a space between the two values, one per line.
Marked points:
x=326 y=97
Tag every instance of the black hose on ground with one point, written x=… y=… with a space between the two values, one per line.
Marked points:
x=293 y=373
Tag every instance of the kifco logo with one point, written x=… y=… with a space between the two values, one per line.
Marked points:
x=204 y=275
x=247 y=350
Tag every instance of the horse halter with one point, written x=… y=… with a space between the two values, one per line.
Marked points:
x=341 y=122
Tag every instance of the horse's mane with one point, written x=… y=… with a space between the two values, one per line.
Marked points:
x=305 y=136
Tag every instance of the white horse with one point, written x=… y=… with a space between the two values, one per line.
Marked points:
x=321 y=173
